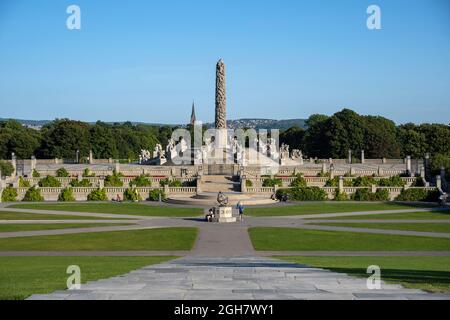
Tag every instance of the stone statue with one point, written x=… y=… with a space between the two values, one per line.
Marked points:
x=221 y=101
x=222 y=199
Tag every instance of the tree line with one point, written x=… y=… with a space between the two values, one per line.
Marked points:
x=325 y=137
x=62 y=138
x=332 y=137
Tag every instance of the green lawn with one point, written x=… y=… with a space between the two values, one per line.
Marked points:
x=149 y=239
x=21 y=277
x=46 y=226
x=115 y=208
x=426 y=227
x=435 y=215
x=291 y=239
x=11 y=215
x=427 y=273
x=324 y=207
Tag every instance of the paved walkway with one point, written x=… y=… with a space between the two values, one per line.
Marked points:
x=201 y=278
x=223 y=263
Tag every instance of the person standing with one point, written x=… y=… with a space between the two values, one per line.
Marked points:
x=240 y=208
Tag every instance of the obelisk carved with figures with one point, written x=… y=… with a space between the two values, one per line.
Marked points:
x=221 y=100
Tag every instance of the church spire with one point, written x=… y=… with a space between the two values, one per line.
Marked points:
x=193 y=118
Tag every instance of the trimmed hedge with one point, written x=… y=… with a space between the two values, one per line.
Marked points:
x=340 y=196
x=367 y=195
x=298 y=182
x=33 y=195
x=303 y=194
x=272 y=182
x=66 y=195
x=82 y=183
x=154 y=195
x=114 y=180
x=131 y=194
x=49 y=181
x=140 y=181
x=62 y=173
x=24 y=183
x=36 y=174
x=9 y=194
x=418 y=195
x=97 y=195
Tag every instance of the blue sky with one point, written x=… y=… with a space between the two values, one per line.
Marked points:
x=147 y=60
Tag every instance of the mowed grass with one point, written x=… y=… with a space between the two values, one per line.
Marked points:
x=292 y=239
x=115 y=208
x=148 y=239
x=21 y=277
x=11 y=215
x=426 y=273
x=325 y=207
x=425 y=227
x=34 y=227
x=425 y=215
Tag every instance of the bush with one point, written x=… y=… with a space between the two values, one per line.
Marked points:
x=170 y=183
x=97 y=195
x=363 y=182
x=131 y=194
x=418 y=195
x=87 y=173
x=66 y=195
x=82 y=183
x=114 y=180
x=269 y=182
x=340 y=196
x=382 y=195
x=141 y=181
x=24 y=183
x=9 y=194
x=248 y=183
x=36 y=174
x=6 y=167
x=366 y=195
x=395 y=181
x=154 y=195
x=303 y=194
x=62 y=173
x=33 y=195
x=298 y=182
x=335 y=182
x=49 y=181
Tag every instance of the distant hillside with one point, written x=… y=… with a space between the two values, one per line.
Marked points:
x=233 y=124
x=264 y=124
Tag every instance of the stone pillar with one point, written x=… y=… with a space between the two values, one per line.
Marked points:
x=79 y=177
x=324 y=167
x=341 y=184
x=14 y=164
x=380 y=171
x=199 y=184
x=422 y=172
x=383 y=160
x=408 y=165
x=438 y=183
x=32 y=164
x=117 y=166
x=91 y=157
x=352 y=171
x=349 y=160
x=373 y=188
x=331 y=172
x=101 y=183
x=362 y=156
